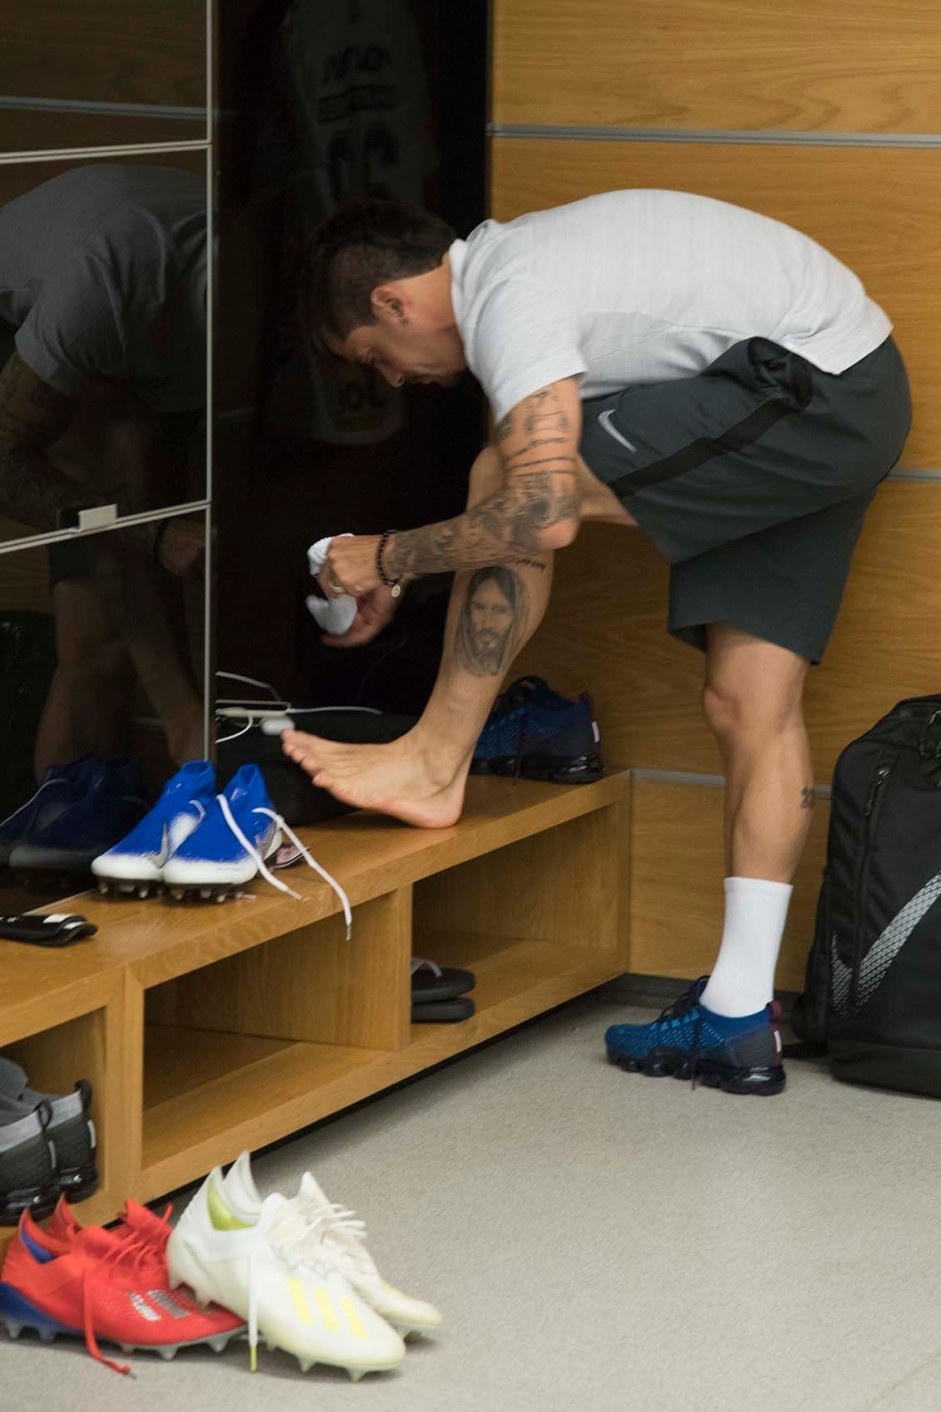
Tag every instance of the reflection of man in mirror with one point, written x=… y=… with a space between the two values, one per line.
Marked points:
x=485 y=635
x=102 y=387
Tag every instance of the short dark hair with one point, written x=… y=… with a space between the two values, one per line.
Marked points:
x=358 y=247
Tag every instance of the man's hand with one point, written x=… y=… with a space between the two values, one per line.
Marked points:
x=350 y=566
x=374 y=611
x=180 y=545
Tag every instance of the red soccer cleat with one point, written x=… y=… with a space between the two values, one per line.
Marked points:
x=135 y=1220
x=103 y=1285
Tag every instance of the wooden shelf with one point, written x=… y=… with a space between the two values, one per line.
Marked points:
x=209 y=1029
x=208 y=1095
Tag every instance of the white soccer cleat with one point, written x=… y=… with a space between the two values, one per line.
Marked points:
x=344 y=1238
x=269 y=1268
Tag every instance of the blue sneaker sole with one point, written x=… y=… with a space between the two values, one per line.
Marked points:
x=762 y=1082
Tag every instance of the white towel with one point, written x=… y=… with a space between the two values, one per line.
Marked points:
x=334 y=615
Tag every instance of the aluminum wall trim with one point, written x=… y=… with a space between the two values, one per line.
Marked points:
x=760 y=136
x=689 y=777
x=94 y=108
x=130 y=149
x=65 y=536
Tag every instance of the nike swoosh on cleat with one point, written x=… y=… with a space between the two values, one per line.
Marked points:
x=173 y=837
x=605 y=419
x=878 y=959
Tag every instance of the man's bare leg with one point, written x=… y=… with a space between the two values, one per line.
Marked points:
x=753 y=703
x=112 y=447
x=421 y=777
x=86 y=709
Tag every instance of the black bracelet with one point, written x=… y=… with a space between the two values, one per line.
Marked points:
x=393 y=585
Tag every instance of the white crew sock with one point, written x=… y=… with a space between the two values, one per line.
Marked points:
x=742 y=980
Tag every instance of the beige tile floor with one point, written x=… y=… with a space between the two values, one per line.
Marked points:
x=604 y=1242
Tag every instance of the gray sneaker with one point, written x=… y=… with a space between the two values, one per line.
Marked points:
x=69 y=1129
x=27 y=1162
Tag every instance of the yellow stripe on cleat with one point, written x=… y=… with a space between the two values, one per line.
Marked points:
x=327 y=1311
x=352 y=1318
x=301 y=1306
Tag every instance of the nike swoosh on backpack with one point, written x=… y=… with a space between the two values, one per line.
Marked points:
x=882 y=953
x=605 y=419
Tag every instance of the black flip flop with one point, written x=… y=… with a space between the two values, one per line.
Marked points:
x=431 y=982
x=443 y=1012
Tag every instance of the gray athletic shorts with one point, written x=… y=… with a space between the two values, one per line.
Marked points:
x=752 y=479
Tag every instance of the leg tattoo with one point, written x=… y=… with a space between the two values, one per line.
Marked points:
x=493 y=616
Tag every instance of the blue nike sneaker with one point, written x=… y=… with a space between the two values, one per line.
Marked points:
x=232 y=843
x=691 y=1042
x=111 y=801
x=135 y=864
x=534 y=732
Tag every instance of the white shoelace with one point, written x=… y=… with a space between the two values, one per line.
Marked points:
x=260 y=862
x=337 y=1220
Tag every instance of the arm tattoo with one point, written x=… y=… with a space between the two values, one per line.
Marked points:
x=807 y=798
x=33 y=491
x=504 y=528
x=537 y=448
x=492 y=619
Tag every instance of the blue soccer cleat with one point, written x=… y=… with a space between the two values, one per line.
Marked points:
x=240 y=832
x=136 y=863
x=239 y=835
x=534 y=732
x=688 y=1041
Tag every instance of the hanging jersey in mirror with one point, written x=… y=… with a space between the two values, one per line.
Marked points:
x=354 y=117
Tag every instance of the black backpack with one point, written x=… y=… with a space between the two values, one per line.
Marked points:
x=872 y=994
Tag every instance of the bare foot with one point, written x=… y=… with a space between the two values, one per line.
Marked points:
x=396 y=779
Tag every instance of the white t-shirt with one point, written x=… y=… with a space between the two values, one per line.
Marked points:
x=103 y=274
x=645 y=286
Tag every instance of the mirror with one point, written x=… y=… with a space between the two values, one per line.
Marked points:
x=103 y=277
x=103 y=73
x=102 y=642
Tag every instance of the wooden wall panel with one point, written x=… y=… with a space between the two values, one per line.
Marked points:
x=148 y=51
x=878 y=209
x=24 y=582
x=606 y=631
x=809 y=65
x=676 y=895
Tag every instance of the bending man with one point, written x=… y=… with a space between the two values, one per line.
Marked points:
x=654 y=359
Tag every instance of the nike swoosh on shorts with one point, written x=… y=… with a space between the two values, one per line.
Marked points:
x=605 y=419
